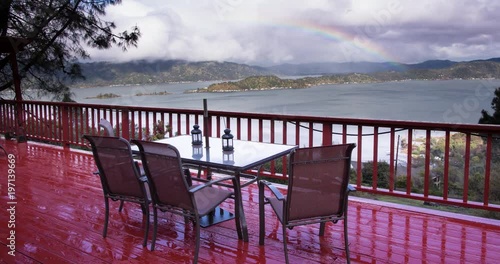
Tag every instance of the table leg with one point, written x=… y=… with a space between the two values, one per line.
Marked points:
x=239 y=202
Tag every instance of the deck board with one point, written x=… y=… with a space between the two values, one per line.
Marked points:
x=60 y=216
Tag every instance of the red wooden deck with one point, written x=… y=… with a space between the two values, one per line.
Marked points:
x=60 y=212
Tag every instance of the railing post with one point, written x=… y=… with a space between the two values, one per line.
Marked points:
x=327 y=134
x=125 y=124
x=20 y=134
x=65 y=125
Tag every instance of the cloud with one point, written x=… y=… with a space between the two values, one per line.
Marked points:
x=278 y=31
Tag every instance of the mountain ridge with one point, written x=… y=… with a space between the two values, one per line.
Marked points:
x=143 y=72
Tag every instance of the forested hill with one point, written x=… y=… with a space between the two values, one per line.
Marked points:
x=467 y=70
x=144 y=72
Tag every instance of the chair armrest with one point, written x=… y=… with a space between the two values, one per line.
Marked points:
x=273 y=189
x=350 y=188
x=210 y=183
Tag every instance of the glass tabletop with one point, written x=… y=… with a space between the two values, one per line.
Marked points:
x=246 y=154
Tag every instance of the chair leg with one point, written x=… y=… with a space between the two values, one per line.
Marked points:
x=187 y=174
x=346 y=242
x=186 y=218
x=262 y=226
x=106 y=216
x=143 y=209
x=155 y=227
x=322 y=228
x=121 y=206
x=197 y=248
x=285 y=244
x=146 y=233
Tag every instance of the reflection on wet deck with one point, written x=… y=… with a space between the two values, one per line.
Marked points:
x=60 y=213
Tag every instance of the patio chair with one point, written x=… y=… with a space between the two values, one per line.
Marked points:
x=170 y=191
x=119 y=174
x=318 y=190
x=108 y=128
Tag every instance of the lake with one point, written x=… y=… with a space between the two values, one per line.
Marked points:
x=449 y=101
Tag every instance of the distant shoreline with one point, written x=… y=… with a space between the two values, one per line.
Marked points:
x=302 y=83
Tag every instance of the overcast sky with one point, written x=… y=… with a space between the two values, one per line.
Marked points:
x=269 y=32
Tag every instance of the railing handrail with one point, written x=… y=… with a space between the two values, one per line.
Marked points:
x=424 y=125
x=65 y=123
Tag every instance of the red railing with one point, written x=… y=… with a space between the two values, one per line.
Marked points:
x=445 y=163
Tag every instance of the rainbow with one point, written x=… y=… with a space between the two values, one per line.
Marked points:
x=361 y=42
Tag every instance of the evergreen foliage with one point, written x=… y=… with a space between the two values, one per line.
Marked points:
x=58 y=32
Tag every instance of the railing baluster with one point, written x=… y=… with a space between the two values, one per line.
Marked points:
x=487 y=170
x=408 y=162
x=375 y=158
x=238 y=128
x=261 y=135
x=359 y=161
x=297 y=133
x=171 y=123
x=284 y=132
x=218 y=126
x=446 y=171
x=392 y=167
x=466 y=168
x=272 y=131
x=148 y=125
x=427 y=162
x=117 y=122
x=344 y=134
x=311 y=134
x=140 y=136
x=188 y=125
x=249 y=129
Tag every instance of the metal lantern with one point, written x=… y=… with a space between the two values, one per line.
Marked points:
x=197 y=152
x=196 y=135
x=227 y=140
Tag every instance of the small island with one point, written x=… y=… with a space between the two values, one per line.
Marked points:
x=103 y=96
x=152 y=93
x=270 y=82
x=463 y=71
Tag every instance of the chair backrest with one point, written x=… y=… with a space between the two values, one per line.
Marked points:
x=117 y=169
x=108 y=128
x=163 y=167
x=318 y=181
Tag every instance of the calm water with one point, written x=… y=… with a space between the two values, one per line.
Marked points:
x=453 y=101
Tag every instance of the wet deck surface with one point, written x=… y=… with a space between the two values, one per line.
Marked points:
x=59 y=217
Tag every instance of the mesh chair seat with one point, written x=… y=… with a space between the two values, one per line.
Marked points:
x=217 y=196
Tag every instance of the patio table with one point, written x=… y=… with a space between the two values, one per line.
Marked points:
x=245 y=156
